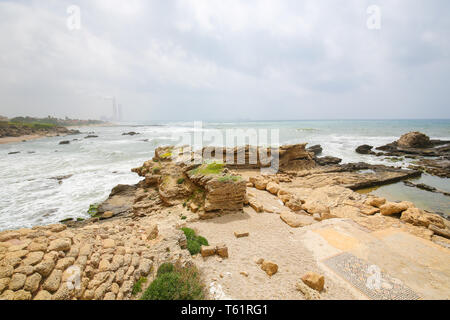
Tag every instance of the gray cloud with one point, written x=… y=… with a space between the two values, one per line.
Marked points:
x=257 y=59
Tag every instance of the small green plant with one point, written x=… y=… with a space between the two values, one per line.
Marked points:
x=183 y=217
x=194 y=242
x=166 y=267
x=166 y=155
x=93 y=209
x=180 y=181
x=137 y=287
x=178 y=284
x=80 y=219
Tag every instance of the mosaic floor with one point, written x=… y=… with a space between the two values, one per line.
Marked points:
x=369 y=279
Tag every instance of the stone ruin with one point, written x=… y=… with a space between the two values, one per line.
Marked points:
x=209 y=188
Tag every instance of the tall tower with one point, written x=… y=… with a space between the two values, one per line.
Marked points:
x=114 y=114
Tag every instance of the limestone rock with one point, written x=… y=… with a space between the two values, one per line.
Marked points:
x=52 y=283
x=256 y=205
x=222 y=250
x=440 y=232
x=414 y=140
x=33 y=258
x=308 y=293
x=369 y=211
x=45 y=267
x=241 y=234
x=43 y=295
x=152 y=232
x=32 y=282
x=375 y=202
x=269 y=267
x=22 y=295
x=273 y=187
x=60 y=245
x=314 y=281
x=295 y=220
x=207 y=251
x=3 y=284
x=107 y=215
x=17 y=281
x=419 y=217
x=109 y=243
x=295 y=204
x=6 y=271
x=391 y=208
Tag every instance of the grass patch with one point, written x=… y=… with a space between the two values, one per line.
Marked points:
x=137 y=287
x=175 y=284
x=166 y=267
x=180 y=181
x=210 y=168
x=194 y=242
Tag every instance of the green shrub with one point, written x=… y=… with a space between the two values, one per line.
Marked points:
x=180 y=181
x=189 y=233
x=194 y=247
x=137 y=287
x=166 y=267
x=183 y=284
x=202 y=241
x=194 y=242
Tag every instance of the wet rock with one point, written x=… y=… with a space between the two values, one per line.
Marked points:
x=364 y=149
x=132 y=133
x=316 y=149
x=327 y=161
x=65 y=142
x=91 y=136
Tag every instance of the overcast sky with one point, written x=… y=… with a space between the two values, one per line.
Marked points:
x=226 y=60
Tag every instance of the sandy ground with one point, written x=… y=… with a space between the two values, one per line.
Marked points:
x=419 y=264
x=270 y=239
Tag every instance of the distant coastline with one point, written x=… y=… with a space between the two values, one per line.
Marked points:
x=28 y=128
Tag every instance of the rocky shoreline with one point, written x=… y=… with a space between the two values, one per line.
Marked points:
x=430 y=156
x=309 y=209
x=12 y=132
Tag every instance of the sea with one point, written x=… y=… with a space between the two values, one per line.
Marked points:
x=31 y=194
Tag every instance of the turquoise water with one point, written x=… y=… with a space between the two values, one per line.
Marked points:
x=30 y=197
